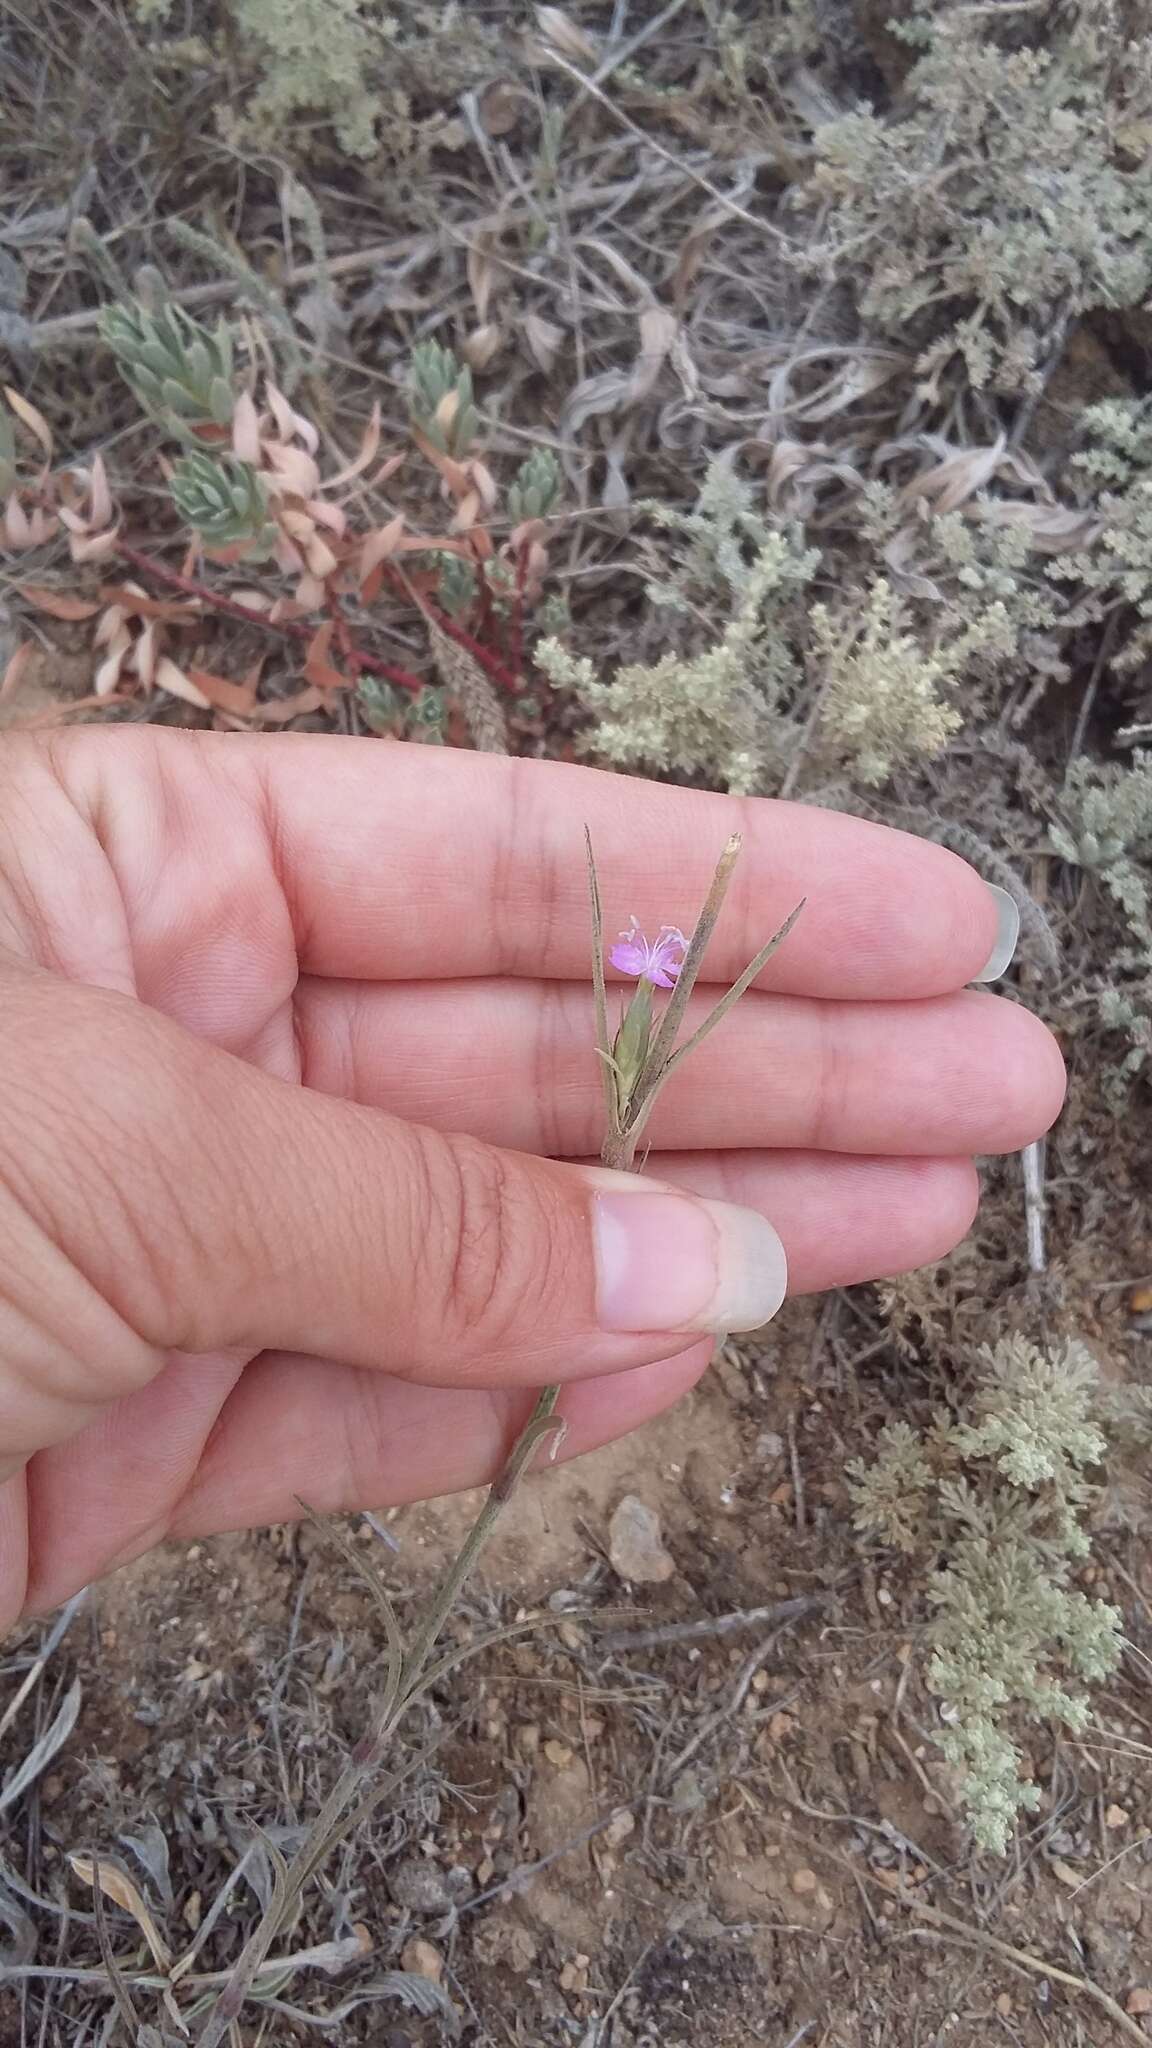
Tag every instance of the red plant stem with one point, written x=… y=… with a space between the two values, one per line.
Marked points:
x=488 y=661
x=517 y=624
x=350 y=654
x=294 y=629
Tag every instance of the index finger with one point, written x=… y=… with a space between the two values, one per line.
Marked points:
x=408 y=863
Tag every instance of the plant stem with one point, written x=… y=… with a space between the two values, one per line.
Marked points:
x=293 y=629
x=489 y=662
x=541 y=1423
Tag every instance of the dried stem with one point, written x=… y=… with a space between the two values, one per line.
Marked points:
x=412 y=1669
x=489 y=662
x=293 y=629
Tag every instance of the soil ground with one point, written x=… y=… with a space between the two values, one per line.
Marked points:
x=707 y=1810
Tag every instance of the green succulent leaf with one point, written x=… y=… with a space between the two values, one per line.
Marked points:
x=535 y=487
x=220 y=499
x=177 y=368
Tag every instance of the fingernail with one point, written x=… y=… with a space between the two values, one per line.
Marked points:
x=1007 y=932
x=669 y=1261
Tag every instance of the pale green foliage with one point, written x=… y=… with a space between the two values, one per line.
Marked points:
x=881 y=703
x=889 y=1493
x=1118 y=433
x=1118 y=565
x=1031 y=1414
x=312 y=57
x=979 y=564
x=220 y=498
x=441 y=398
x=996 y=1497
x=713 y=711
x=179 y=371
x=1009 y=189
x=536 y=486
x=1107 y=830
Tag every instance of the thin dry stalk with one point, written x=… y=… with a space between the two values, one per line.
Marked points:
x=412 y=1668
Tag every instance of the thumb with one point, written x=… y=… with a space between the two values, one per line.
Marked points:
x=161 y=1194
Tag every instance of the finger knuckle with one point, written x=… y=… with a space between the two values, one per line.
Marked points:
x=497 y=1237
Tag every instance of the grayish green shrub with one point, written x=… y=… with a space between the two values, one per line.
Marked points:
x=995 y=1499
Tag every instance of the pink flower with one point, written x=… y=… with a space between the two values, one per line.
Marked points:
x=659 y=963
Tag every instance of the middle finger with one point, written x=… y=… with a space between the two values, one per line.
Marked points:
x=514 y=1063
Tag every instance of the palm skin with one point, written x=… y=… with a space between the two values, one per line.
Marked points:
x=240 y=977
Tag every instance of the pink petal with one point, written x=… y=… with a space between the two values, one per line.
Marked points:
x=629 y=957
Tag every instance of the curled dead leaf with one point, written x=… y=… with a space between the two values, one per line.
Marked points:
x=116 y=1885
x=223 y=695
x=957 y=476
x=292 y=425
x=31 y=418
x=57 y=603
x=111 y=669
x=1052 y=529
x=544 y=340
x=482 y=345
x=482 y=270
x=93 y=547
x=145 y=654
x=282 y=710
x=23 y=530
x=293 y=470
x=317 y=667
x=559 y=29
x=364 y=455
x=380 y=545
x=172 y=678
x=658 y=330
x=246 y=429
x=15 y=667
x=500 y=106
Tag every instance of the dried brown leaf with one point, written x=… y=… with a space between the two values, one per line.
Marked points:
x=223 y=695
x=365 y=454
x=1052 y=529
x=482 y=345
x=116 y=1885
x=482 y=270
x=658 y=331
x=145 y=654
x=544 y=340
x=500 y=106
x=957 y=477
x=56 y=603
x=137 y=604
x=291 y=424
x=284 y=709
x=317 y=667
x=24 y=530
x=246 y=429
x=111 y=669
x=33 y=420
x=562 y=32
x=172 y=678
x=15 y=667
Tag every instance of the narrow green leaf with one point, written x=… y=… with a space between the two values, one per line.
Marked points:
x=670 y=1023
x=714 y=1017
x=603 y=1043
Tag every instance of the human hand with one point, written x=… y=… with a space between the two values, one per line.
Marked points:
x=222 y=1290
